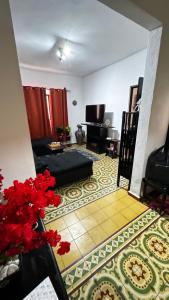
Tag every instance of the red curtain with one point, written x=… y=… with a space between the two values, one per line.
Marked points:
x=36 y=106
x=58 y=109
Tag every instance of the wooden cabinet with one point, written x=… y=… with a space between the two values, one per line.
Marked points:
x=96 y=138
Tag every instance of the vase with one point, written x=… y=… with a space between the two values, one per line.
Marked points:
x=80 y=135
x=9 y=269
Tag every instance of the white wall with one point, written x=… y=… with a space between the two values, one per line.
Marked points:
x=142 y=142
x=54 y=80
x=16 y=159
x=111 y=85
x=155 y=129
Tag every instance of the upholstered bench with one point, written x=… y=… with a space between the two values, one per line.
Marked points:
x=66 y=167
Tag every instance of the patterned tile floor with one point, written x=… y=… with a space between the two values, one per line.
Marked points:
x=139 y=271
x=78 y=194
x=94 y=223
x=119 y=247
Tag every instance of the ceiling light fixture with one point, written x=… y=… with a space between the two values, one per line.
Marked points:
x=60 y=54
x=63 y=52
x=67 y=50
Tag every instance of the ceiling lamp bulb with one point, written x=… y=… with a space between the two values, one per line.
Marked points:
x=67 y=50
x=62 y=58
x=63 y=53
x=59 y=53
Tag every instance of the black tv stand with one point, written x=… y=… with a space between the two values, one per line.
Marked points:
x=97 y=125
x=96 y=137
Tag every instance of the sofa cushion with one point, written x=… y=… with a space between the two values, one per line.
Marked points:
x=65 y=162
x=39 y=146
x=41 y=142
x=40 y=166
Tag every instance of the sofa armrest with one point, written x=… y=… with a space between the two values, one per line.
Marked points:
x=40 y=166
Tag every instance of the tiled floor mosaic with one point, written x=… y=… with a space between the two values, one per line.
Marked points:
x=89 y=226
x=139 y=271
x=119 y=247
x=97 y=258
x=83 y=192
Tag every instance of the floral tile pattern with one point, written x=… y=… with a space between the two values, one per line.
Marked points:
x=139 y=271
x=83 y=192
x=75 y=275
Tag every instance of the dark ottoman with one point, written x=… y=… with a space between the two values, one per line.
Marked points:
x=67 y=167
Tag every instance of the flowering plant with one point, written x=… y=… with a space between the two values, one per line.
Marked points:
x=23 y=204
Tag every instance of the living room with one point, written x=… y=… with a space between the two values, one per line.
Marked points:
x=93 y=210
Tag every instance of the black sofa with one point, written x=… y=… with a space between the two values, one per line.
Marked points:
x=39 y=146
x=66 y=167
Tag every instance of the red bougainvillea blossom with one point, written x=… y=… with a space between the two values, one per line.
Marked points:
x=23 y=204
x=1 y=179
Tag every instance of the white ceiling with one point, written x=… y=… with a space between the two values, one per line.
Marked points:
x=98 y=35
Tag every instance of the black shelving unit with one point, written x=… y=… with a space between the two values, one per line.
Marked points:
x=127 y=145
x=96 y=137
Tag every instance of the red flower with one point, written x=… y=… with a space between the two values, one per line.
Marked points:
x=24 y=204
x=1 y=179
x=64 y=248
x=13 y=251
x=52 y=237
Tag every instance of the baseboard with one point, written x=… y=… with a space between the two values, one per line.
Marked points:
x=134 y=195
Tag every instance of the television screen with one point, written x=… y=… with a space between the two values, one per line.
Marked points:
x=95 y=113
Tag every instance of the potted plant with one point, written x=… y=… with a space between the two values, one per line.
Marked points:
x=60 y=133
x=63 y=133
x=67 y=132
x=21 y=206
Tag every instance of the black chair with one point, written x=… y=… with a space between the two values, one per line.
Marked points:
x=157 y=171
x=155 y=186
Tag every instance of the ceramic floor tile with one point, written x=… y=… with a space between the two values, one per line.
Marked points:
x=77 y=230
x=132 y=264
x=131 y=274
x=160 y=265
x=71 y=219
x=58 y=225
x=109 y=227
x=128 y=200
x=72 y=256
x=92 y=208
x=124 y=202
x=138 y=207
x=85 y=243
x=59 y=260
x=99 y=216
x=89 y=223
x=118 y=205
x=81 y=213
x=66 y=235
x=130 y=294
x=120 y=193
x=101 y=203
x=108 y=200
x=119 y=220
x=110 y=210
x=129 y=214
x=84 y=292
x=131 y=200
x=98 y=234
